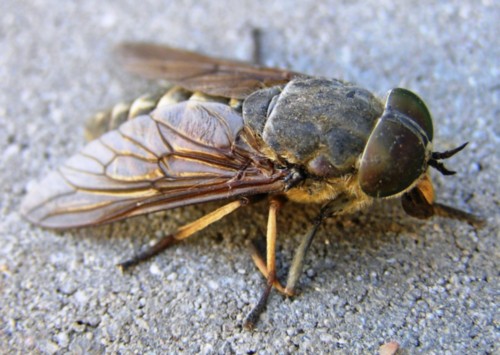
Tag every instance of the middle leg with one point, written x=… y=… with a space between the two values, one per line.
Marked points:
x=270 y=271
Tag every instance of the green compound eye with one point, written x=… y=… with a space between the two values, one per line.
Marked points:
x=409 y=104
x=397 y=150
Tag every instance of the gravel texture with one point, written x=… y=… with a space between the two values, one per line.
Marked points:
x=371 y=278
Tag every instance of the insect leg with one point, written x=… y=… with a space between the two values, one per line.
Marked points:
x=261 y=265
x=183 y=233
x=332 y=208
x=454 y=213
x=274 y=204
x=419 y=203
x=257 y=46
x=299 y=257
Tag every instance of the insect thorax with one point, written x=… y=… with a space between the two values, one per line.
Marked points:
x=321 y=124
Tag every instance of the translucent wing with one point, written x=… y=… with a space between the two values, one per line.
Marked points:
x=180 y=154
x=196 y=72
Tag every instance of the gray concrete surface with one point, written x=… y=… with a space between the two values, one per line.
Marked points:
x=371 y=278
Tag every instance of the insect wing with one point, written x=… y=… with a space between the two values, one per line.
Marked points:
x=180 y=154
x=196 y=72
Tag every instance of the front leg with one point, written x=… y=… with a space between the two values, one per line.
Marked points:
x=419 y=203
x=332 y=208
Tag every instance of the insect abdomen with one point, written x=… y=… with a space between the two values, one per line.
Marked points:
x=111 y=119
x=108 y=120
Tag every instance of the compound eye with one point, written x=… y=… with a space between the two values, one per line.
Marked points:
x=397 y=150
x=393 y=159
x=412 y=106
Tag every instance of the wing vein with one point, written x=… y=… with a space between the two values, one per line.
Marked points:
x=136 y=142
